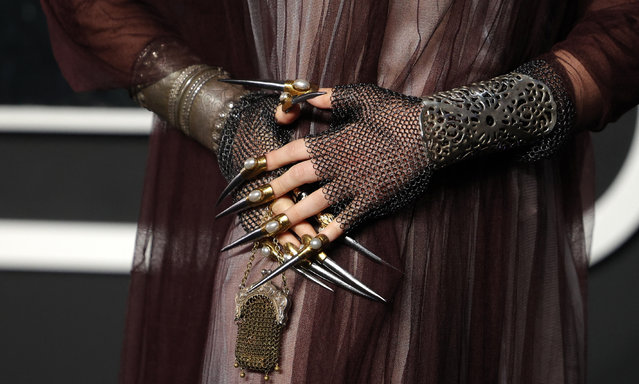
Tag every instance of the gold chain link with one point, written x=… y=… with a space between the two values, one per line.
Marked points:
x=249 y=266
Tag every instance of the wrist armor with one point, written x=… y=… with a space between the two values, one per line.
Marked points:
x=528 y=108
x=193 y=101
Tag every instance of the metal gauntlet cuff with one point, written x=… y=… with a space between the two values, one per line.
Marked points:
x=192 y=100
x=527 y=108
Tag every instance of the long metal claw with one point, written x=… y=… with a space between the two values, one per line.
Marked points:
x=238 y=206
x=274 y=226
x=333 y=278
x=310 y=247
x=324 y=219
x=253 y=166
x=283 y=267
x=234 y=183
x=266 y=84
x=251 y=236
x=367 y=252
x=258 y=196
x=304 y=97
x=291 y=91
x=269 y=249
x=312 y=278
x=341 y=272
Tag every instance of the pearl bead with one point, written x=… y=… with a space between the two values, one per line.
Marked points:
x=265 y=251
x=301 y=85
x=284 y=96
x=255 y=196
x=272 y=226
x=316 y=243
x=250 y=163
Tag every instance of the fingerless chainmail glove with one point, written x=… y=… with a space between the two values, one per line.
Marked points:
x=382 y=146
x=251 y=131
x=373 y=157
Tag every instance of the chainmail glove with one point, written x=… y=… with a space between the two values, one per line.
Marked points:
x=251 y=131
x=382 y=146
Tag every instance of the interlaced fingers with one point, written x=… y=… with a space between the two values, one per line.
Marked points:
x=372 y=159
x=251 y=131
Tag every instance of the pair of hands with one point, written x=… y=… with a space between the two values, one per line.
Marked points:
x=371 y=161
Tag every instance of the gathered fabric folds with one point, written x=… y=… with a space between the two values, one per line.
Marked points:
x=493 y=257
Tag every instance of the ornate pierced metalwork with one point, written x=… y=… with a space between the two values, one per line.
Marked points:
x=505 y=112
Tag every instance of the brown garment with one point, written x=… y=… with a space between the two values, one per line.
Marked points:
x=493 y=255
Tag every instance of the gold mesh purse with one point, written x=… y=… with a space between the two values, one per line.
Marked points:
x=260 y=317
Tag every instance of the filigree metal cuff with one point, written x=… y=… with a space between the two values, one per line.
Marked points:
x=510 y=111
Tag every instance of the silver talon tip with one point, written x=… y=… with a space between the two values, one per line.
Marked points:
x=306 y=96
x=334 y=279
x=254 y=235
x=335 y=268
x=367 y=252
x=276 y=86
x=312 y=278
x=286 y=265
x=238 y=206
x=237 y=180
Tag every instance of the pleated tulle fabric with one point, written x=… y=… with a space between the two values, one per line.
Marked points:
x=493 y=257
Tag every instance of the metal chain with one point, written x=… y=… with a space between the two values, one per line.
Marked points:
x=249 y=266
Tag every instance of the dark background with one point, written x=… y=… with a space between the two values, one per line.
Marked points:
x=67 y=327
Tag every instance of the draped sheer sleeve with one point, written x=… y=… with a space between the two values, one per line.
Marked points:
x=98 y=44
x=601 y=58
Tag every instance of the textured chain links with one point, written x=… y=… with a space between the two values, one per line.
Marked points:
x=251 y=131
x=372 y=159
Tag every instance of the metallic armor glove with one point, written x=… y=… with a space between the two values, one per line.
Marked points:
x=382 y=146
x=249 y=132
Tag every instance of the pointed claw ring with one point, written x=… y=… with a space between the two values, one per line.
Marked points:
x=327 y=262
x=309 y=247
x=258 y=196
x=253 y=167
x=269 y=249
x=291 y=90
x=273 y=227
x=325 y=274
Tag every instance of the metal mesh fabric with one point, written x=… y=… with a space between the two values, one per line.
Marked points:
x=258 y=335
x=372 y=159
x=550 y=144
x=251 y=131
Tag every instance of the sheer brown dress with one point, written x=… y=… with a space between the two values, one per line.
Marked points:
x=494 y=255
